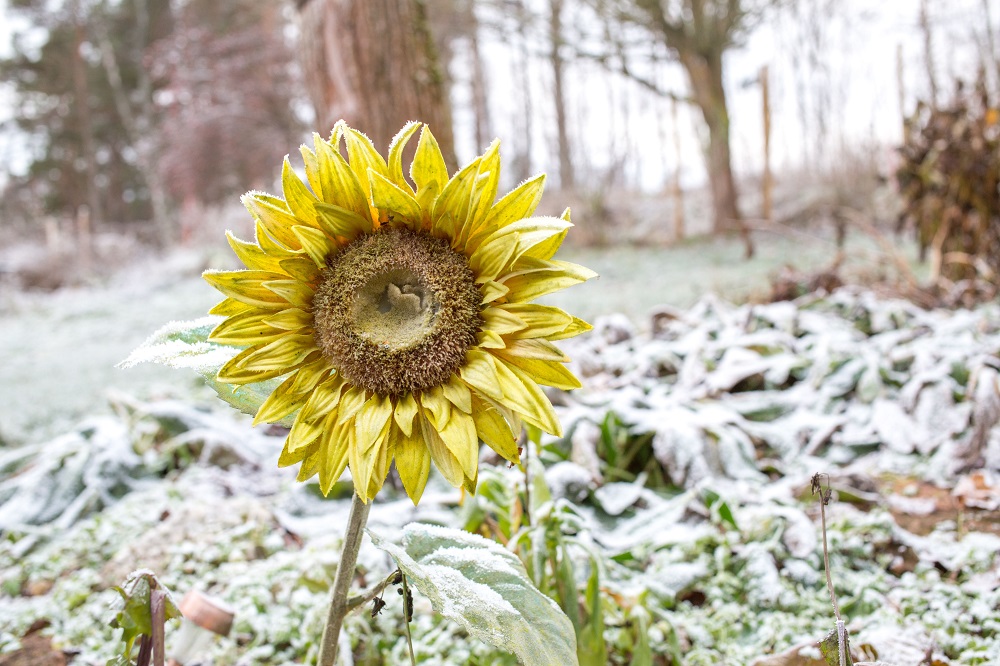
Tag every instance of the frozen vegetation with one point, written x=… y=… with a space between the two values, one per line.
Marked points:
x=676 y=514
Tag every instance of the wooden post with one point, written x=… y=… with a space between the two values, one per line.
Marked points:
x=766 y=183
x=84 y=241
x=677 y=191
x=901 y=90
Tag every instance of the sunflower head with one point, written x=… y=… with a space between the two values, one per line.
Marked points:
x=399 y=312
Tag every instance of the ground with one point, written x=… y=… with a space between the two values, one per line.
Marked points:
x=678 y=505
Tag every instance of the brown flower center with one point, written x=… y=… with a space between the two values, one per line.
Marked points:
x=396 y=311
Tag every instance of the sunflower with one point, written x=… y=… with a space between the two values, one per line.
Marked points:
x=400 y=315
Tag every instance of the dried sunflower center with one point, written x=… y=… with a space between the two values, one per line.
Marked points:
x=396 y=311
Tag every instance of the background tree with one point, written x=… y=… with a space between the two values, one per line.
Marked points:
x=222 y=130
x=374 y=63
x=69 y=112
x=699 y=33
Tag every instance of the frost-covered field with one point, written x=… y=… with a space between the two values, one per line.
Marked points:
x=677 y=506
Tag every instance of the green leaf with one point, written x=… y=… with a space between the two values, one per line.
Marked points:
x=134 y=616
x=484 y=587
x=185 y=345
x=830 y=647
x=593 y=650
x=715 y=504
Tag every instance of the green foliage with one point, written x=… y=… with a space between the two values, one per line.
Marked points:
x=136 y=616
x=185 y=345
x=949 y=180
x=485 y=588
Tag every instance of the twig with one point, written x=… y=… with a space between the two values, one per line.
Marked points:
x=824 y=499
x=527 y=478
x=407 y=616
x=342 y=582
x=369 y=594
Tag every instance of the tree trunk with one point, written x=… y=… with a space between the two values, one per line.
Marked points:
x=705 y=76
x=567 y=178
x=373 y=63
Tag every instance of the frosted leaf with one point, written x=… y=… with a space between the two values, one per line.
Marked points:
x=485 y=588
x=185 y=345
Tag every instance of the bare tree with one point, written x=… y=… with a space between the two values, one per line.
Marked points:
x=567 y=179
x=698 y=33
x=374 y=64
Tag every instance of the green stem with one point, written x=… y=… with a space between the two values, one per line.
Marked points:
x=342 y=582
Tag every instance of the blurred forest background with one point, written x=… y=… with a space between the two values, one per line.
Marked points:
x=141 y=121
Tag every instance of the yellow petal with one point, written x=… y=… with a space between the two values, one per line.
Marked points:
x=310 y=465
x=299 y=294
x=532 y=236
x=398 y=204
x=276 y=219
x=438 y=407
x=444 y=460
x=252 y=255
x=279 y=404
x=311 y=374
x=404 y=411
x=291 y=457
x=542 y=350
x=458 y=394
x=233 y=371
x=526 y=398
x=492 y=291
x=413 y=462
x=333 y=453
x=315 y=243
x=298 y=197
x=291 y=319
x=396 y=147
x=230 y=307
x=304 y=431
x=561 y=274
x=351 y=401
x=272 y=247
x=371 y=420
x=501 y=321
x=479 y=373
x=301 y=268
x=516 y=205
x=459 y=435
x=380 y=463
x=454 y=201
x=362 y=156
x=541 y=320
x=339 y=184
x=246 y=286
x=245 y=330
x=494 y=430
x=428 y=171
x=484 y=192
x=283 y=354
x=489 y=340
x=549 y=373
x=339 y=222
x=362 y=460
x=490 y=258
x=577 y=327
x=324 y=399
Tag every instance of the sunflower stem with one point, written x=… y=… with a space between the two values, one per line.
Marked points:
x=342 y=582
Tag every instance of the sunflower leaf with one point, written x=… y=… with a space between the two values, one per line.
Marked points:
x=485 y=588
x=186 y=345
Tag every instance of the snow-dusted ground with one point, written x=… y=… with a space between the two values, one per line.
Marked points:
x=682 y=484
